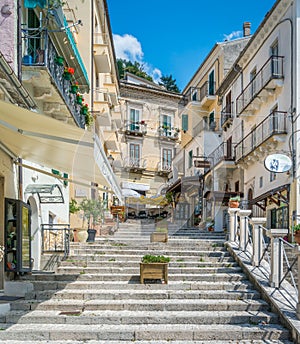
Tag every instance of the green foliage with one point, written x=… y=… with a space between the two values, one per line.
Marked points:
x=296 y=228
x=149 y=258
x=135 y=68
x=235 y=199
x=169 y=83
x=93 y=211
x=74 y=207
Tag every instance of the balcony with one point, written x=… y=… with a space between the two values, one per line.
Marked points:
x=227 y=116
x=222 y=154
x=168 y=134
x=263 y=85
x=45 y=77
x=134 y=165
x=164 y=168
x=273 y=125
x=102 y=107
x=135 y=129
x=207 y=93
x=101 y=53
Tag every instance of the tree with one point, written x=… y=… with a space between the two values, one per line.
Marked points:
x=135 y=68
x=169 y=83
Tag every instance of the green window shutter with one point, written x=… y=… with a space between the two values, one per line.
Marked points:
x=185 y=122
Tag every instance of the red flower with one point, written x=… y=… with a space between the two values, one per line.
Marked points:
x=69 y=70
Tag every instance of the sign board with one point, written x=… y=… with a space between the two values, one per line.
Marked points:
x=278 y=163
x=201 y=164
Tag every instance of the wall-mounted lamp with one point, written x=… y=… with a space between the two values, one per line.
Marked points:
x=5 y=10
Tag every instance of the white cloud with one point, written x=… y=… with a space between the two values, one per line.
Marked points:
x=232 y=35
x=128 y=47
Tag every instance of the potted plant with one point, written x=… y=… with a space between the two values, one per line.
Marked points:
x=296 y=230
x=68 y=72
x=59 y=60
x=84 y=109
x=154 y=267
x=79 y=99
x=234 y=202
x=92 y=212
x=74 y=87
x=209 y=224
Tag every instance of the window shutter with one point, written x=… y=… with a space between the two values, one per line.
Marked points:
x=185 y=122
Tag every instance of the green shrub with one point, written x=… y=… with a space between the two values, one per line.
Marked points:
x=149 y=258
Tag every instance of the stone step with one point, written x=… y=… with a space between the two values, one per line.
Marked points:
x=139 y=317
x=116 y=294
x=135 y=269
x=266 y=341
x=142 y=305
x=185 y=332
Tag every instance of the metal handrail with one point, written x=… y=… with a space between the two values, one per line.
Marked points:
x=56 y=238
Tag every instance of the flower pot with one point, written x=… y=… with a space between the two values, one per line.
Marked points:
x=59 y=60
x=84 y=111
x=79 y=101
x=297 y=238
x=234 y=204
x=91 y=235
x=154 y=271
x=74 y=89
x=67 y=76
x=159 y=237
x=80 y=235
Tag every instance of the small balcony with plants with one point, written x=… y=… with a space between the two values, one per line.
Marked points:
x=53 y=78
x=263 y=85
x=136 y=165
x=164 y=168
x=264 y=137
x=169 y=133
x=227 y=116
x=138 y=128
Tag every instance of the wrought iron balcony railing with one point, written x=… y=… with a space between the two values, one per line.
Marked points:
x=164 y=167
x=224 y=152
x=207 y=89
x=135 y=163
x=275 y=123
x=40 y=52
x=166 y=132
x=136 y=128
x=272 y=69
x=227 y=114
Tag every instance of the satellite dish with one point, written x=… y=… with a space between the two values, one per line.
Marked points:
x=278 y=163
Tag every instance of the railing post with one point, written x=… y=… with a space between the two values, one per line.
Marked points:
x=276 y=256
x=244 y=223
x=257 y=222
x=233 y=223
x=296 y=251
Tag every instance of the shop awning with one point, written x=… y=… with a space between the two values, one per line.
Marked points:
x=49 y=142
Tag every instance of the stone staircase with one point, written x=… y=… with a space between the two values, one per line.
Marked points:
x=95 y=296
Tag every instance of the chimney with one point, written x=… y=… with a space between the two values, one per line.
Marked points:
x=246 y=29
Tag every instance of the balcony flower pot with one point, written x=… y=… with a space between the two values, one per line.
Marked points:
x=74 y=88
x=154 y=267
x=68 y=72
x=234 y=202
x=79 y=99
x=84 y=110
x=59 y=60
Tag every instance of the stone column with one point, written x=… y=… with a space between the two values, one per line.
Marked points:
x=244 y=223
x=233 y=223
x=257 y=222
x=276 y=256
x=296 y=251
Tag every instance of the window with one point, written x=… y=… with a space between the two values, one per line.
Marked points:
x=190 y=159
x=211 y=83
x=274 y=120
x=134 y=154
x=253 y=82
x=261 y=182
x=167 y=158
x=272 y=176
x=229 y=154
x=166 y=124
x=185 y=122
x=134 y=119
x=274 y=63
x=228 y=106
x=212 y=123
x=197 y=151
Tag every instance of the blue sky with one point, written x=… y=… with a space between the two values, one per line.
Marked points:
x=173 y=37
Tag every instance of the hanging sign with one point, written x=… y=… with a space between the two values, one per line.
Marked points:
x=278 y=163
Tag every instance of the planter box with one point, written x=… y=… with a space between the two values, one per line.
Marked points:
x=154 y=271
x=159 y=237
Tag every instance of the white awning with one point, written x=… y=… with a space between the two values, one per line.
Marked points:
x=135 y=186
x=46 y=141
